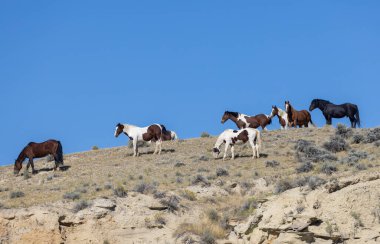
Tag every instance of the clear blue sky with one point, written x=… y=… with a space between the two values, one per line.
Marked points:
x=71 y=70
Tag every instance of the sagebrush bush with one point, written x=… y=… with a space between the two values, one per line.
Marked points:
x=272 y=163
x=373 y=135
x=213 y=215
x=328 y=168
x=336 y=144
x=81 y=205
x=72 y=195
x=205 y=135
x=16 y=194
x=200 y=179
x=159 y=194
x=354 y=157
x=179 y=164
x=144 y=188
x=343 y=131
x=314 y=181
x=172 y=203
x=207 y=238
x=283 y=185
x=189 y=195
x=95 y=148
x=221 y=172
x=120 y=191
x=307 y=150
x=358 y=138
x=305 y=167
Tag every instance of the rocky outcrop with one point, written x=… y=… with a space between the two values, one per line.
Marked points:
x=341 y=215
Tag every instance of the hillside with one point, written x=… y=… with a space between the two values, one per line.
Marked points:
x=317 y=185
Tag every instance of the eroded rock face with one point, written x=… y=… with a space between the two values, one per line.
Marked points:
x=341 y=215
x=295 y=216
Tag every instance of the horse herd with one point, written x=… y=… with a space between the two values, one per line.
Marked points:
x=247 y=125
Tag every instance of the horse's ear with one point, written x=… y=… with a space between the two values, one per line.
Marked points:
x=118 y=124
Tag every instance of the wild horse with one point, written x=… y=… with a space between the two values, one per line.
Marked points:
x=39 y=150
x=331 y=110
x=245 y=121
x=295 y=117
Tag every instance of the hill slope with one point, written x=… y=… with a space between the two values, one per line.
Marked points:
x=306 y=187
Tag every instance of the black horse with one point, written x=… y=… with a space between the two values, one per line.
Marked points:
x=331 y=110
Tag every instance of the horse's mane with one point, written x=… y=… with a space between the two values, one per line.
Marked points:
x=22 y=154
x=321 y=101
x=235 y=114
x=163 y=128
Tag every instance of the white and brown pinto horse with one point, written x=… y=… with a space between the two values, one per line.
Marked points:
x=246 y=121
x=282 y=117
x=153 y=132
x=231 y=137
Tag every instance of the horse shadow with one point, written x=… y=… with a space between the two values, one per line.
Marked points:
x=62 y=168
x=262 y=155
x=150 y=152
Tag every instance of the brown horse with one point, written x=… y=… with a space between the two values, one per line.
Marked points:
x=39 y=150
x=300 y=118
x=244 y=121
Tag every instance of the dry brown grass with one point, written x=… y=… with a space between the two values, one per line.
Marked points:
x=95 y=169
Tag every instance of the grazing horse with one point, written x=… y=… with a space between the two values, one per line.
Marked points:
x=282 y=117
x=331 y=110
x=230 y=137
x=244 y=121
x=153 y=132
x=300 y=118
x=39 y=150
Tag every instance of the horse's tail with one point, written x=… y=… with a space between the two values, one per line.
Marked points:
x=311 y=121
x=59 y=153
x=357 y=116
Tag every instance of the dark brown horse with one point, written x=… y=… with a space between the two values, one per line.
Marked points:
x=300 y=118
x=39 y=150
x=244 y=121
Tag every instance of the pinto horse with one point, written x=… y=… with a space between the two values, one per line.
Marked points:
x=231 y=137
x=300 y=118
x=244 y=121
x=331 y=110
x=282 y=117
x=153 y=132
x=39 y=150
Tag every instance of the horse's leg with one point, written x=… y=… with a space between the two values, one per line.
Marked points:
x=32 y=164
x=159 y=152
x=253 y=149
x=225 y=151
x=353 y=123
x=135 y=149
x=232 y=152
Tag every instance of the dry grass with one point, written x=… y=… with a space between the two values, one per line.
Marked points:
x=91 y=172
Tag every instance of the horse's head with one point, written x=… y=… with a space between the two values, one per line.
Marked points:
x=287 y=106
x=227 y=115
x=274 y=111
x=215 y=152
x=313 y=105
x=119 y=129
x=17 y=167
